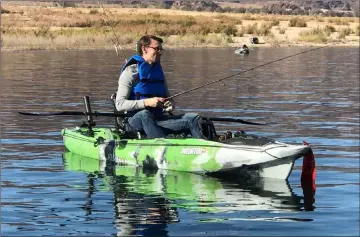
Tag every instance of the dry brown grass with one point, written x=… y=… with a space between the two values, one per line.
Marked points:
x=41 y=26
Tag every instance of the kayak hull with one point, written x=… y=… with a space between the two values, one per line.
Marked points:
x=235 y=157
x=241 y=51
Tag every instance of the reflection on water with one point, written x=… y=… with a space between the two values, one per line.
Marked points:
x=147 y=200
x=312 y=97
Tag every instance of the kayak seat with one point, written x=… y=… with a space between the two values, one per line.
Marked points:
x=122 y=126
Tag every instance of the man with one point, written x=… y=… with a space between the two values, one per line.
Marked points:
x=245 y=49
x=143 y=89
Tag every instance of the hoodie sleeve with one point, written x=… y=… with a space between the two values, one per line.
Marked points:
x=128 y=79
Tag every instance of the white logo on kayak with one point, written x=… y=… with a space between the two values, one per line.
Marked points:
x=192 y=151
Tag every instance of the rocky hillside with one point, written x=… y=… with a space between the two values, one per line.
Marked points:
x=289 y=7
x=298 y=7
x=196 y=5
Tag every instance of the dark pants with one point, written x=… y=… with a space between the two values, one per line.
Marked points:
x=160 y=127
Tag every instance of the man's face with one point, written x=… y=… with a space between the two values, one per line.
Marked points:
x=153 y=52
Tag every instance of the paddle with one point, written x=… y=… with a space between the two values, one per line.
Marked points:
x=104 y=114
x=111 y=114
x=233 y=120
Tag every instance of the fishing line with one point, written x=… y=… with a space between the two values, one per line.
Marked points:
x=250 y=69
x=113 y=31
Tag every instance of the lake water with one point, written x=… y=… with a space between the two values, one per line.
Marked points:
x=312 y=97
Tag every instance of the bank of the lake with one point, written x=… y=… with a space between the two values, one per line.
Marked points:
x=43 y=26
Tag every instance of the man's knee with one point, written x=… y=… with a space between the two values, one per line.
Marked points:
x=191 y=116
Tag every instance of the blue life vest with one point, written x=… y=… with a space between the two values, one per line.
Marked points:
x=151 y=81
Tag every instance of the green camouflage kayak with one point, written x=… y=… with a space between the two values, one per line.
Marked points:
x=265 y=157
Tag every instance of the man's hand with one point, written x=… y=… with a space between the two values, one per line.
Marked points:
x=154 y=102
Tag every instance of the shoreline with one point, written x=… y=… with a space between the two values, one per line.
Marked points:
x=36 y=27
x=179 y=47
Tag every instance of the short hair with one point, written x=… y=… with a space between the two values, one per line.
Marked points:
x=145 y=41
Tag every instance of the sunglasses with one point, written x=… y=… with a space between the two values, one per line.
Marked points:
x=157 y=49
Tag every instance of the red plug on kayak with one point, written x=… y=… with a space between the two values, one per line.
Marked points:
x=308 y=176
x=308 y=167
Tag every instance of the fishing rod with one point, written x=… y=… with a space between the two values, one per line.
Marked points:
x=113 y=31
x=250 y=69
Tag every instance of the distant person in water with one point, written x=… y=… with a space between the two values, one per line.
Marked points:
x=244 y=49
x=143 y=89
